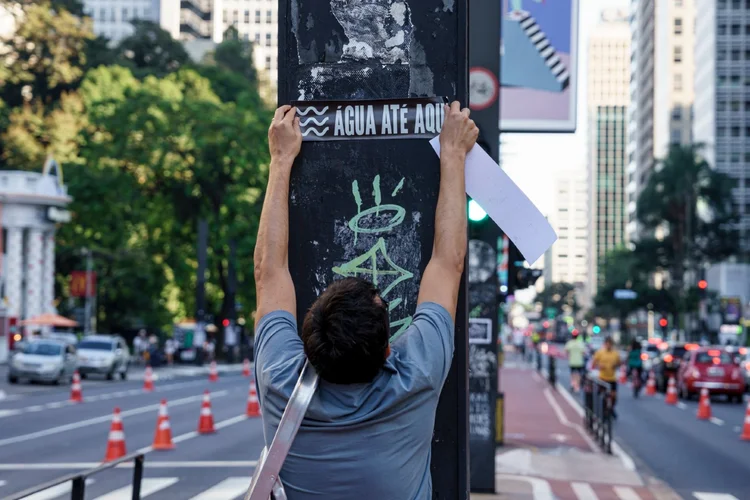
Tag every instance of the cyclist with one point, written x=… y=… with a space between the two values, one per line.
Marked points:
x=635 y=365
x=607 y=360
x=576 y=350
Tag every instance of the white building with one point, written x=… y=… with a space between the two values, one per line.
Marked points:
x=661 y=88
x=112 y=17
x=608 y=99
x=567 y=260
x=31 y=204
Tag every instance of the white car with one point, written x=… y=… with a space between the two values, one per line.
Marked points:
x=43 y=360
x=103 y=355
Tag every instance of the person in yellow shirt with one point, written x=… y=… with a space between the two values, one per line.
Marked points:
x=607 y=360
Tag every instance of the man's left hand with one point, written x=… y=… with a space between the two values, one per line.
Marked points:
x=284 y=135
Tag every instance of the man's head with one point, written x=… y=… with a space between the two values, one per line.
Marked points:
x=345 y=332
x=608 y=343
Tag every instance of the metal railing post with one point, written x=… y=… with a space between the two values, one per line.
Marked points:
x=552 y=371
x=79 y=488
x=137 y=476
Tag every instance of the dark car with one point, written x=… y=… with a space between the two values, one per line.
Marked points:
x=714 y=369
x=667 y=363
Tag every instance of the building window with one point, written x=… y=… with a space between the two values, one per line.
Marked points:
x=736 y=55
x=235 y=16
x=247 y=17
x=722 y=4
x=269 y=15
x=735 y=29
x=678 y=3
x=268 y=39
x=677 y=55
x=734 y=131
x=268 y=62
x=722 y=30
x=678 y=26
x=736 y=4
x=226 y=16
x=677 y=82
x=677 y=114
x=734 y=105
x=246 y=36
x=257 y=17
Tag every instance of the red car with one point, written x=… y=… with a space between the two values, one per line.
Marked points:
x=713 y=369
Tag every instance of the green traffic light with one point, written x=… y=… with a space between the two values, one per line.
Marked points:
x=476 y=213
x=596 y=329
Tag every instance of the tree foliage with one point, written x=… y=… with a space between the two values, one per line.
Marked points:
x=558 y=295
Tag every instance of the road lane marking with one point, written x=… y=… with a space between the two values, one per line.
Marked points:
x=617 y=450
x=228 y=489
x=716 y=421
x=148 y=487
x=564 y=420
x=540 y=488
x=55 y=491
x=681 y=405
x=626 y=493
x=104 y=418
x=2 y=483
x=193 y=434
x=584 y=491
x=713 y=496
x=243 y=464
x=9 y=413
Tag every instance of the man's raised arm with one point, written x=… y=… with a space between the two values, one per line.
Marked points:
x=442 y=277
x=273 y=283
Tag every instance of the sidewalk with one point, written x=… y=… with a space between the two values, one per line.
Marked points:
x=548 y=454
x=137 y=372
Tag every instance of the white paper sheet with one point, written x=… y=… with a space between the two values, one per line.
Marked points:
x=506 y=204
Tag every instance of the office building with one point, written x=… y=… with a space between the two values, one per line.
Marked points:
x=567 y=261
x=661 y=89
x=608 y=98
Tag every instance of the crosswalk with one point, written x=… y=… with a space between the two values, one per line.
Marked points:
x=232 y=488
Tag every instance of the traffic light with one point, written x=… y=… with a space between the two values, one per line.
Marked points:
x=225 y=323
x=663 y=322
x=527 y=277
x=476 y=213
x=702 y=284
x=596 y=330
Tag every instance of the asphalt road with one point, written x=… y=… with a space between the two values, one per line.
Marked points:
x=690 y=455
x=44 y=436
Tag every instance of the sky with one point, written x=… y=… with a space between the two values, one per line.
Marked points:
x=532 y=160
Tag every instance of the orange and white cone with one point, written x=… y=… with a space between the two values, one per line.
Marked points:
x=148 y=380
x=745 y=436
x=246 y=368
x=163 y=435
x=671 y=398
x=116 y=439
x=76 y=395
x=253 y=408
x=206 y=421
x=704 y=405
x=213 y=374
x=623 y=375
x=651 y=384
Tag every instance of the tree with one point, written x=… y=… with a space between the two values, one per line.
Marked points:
x=150 y=50
x=691 y=204
x=558 y=296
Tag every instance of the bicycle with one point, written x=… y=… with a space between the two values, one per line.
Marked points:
x=637 y=381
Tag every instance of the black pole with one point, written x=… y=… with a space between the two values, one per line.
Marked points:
x=200 y=293
x=137 y=477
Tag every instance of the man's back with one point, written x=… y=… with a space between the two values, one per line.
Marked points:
x=576 y=350
x=607 y=360
x=369 y=441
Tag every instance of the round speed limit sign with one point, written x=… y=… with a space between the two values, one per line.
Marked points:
x=483 y=88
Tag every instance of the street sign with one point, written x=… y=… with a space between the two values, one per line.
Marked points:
x=625 y=294
x=78 y=285
x=483 y=89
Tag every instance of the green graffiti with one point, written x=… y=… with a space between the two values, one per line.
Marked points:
x=375 y=264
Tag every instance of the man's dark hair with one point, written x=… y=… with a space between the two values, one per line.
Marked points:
x=345 y=332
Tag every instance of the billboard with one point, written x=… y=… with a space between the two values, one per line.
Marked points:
x=538 y=63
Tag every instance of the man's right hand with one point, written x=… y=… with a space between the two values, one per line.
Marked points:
x=284 y=135
x=459 y=133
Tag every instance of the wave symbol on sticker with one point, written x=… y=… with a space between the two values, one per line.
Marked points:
x=313 y=109
x=319 y=133
x=320 y=122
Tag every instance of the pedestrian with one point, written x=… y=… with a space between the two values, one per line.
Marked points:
x=368 y=430
x=607 y=360
x=170 y=347
x=635 y=363
x=576 y=350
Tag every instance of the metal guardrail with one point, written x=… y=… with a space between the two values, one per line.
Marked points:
x=597 y=418
x=78 y=491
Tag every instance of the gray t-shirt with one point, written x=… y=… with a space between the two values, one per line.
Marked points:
x=364 y=441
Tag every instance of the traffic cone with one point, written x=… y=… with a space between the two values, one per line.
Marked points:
x=116 y=439
x=671 y=398
x=206 y=421
x=76 y=395
x=623 y=375
x=746 y=427
x=246 y=368
x=253 y=408
x=704 y=405
x=651 y=384
x=148 y=380
x=163 y=435
x=213 y=375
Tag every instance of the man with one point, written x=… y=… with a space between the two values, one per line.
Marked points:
x=367 y=432
x=576 y=350
x=607 y=359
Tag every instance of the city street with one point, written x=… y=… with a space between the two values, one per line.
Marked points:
x=693 y=457
x=44 y=436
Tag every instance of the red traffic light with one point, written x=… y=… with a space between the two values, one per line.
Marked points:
x=225 y=323
x=703 y=284
x=545 y=324
x=663 y=322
